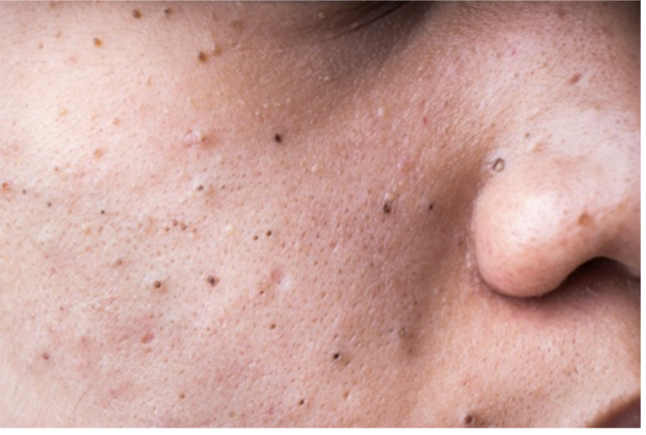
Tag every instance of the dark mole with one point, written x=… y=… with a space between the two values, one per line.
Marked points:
x=201 y=56
x=272 y=326
x=431 y=206
x=336 y=356
x=212 y=280
x=255 y=238
x=301 y=402
x=45 y=356
x=136 y=14
x=200 y=187
x=575 y=78
x=278 y=138
x=167 y=11
x=269 y=233
x=387 y=207
x=49 y=204
x=97 y=42
x=157 y=284
x=182 y=396
x=468 y=419
x=102 y=211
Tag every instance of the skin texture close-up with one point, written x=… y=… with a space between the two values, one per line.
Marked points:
x=319 y=214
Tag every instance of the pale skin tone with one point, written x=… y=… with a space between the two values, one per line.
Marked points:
x=265 y=215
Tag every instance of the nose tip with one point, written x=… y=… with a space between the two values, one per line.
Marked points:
x=544 y=216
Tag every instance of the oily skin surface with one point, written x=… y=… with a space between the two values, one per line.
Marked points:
x=260 y=215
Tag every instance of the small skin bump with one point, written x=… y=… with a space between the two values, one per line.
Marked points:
x=387 y=207
x=584 y=219
x=499 y=165
x=336 y=356
x=574 y=79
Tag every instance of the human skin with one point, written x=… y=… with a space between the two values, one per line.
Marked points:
x=263 y=215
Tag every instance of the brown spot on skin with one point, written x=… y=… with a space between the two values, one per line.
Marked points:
x=157 y=284
x=115 y=121
x=167 y=11
x=575 y=78
x=431 y=206
x=201 y=56
x=62 y=112
x=6 y=186
x=45 y=356
x=272 y=326
x=499 y=165
x=97 y=42
x=118 y=262
x=217 y=50
x=40 y=46
x=387 y=207
x=336 y=356
x=136 y=13
x=301 y=402
x=147 y=338
x=269 y=233
x=584 y=219
x=278 y=138
x=98 y=153
x=212 y=280
x=102 y=211
x=49 y=204
x=468 y=419
x=199 y=188
x=527 y=135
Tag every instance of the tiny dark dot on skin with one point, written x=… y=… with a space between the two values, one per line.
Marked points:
x=278 y=138
x=200 y=187
x=45 y=356
x=212 y=280
x=468 y=419
x=102 y=211
x=182 y=396
x=272 y=326
x=336 y=356
x=301 y=402
x=527 y=135
x=167 y=11
x=97 y=42
x=269 y=233
x=157 y=284
x=49 y=204
x=431 y=206
x=201 y=56
x=255 y=238
x=24 y=192
x=387 y=208
x=136 y=13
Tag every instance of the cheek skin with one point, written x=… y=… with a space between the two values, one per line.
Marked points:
x=192 y=271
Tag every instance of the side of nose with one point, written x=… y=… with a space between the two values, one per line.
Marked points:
x=566 y=195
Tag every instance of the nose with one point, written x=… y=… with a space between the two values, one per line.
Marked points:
x=564 y=193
